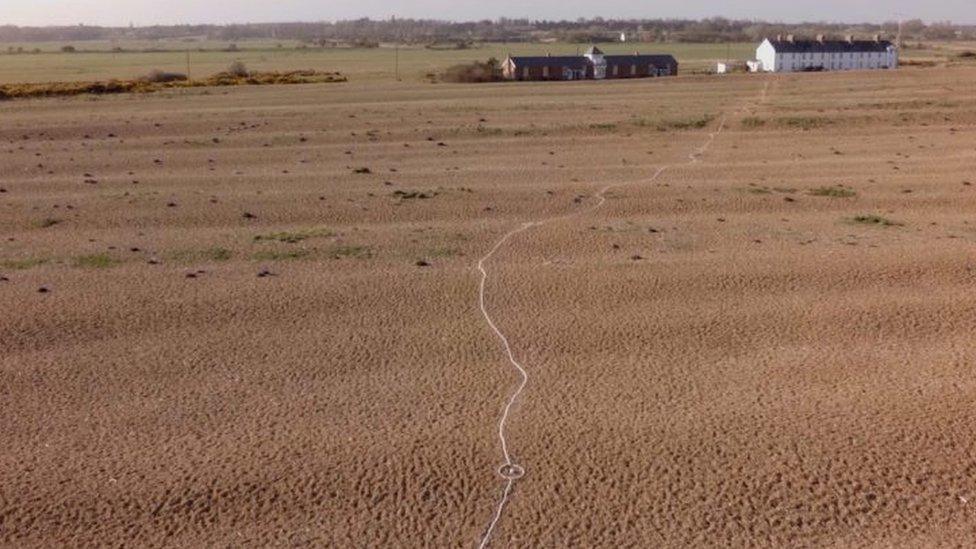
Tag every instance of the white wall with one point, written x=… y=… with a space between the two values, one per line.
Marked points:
x=767 y=56
x=599 y=66
x=840 y=61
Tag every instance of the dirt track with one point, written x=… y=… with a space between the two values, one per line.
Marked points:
x=719 y=358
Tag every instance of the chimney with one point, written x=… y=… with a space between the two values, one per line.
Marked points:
x=779 y=37
x=877 y=38
x=548 y=54
x=850 y=38
x=820 y=38
x=636 y=52
x=790 y=38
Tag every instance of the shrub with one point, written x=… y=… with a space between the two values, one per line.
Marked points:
x=803 y=122
x=143 y=85
x=874 y=220
x=833 y=192
x=157 y=76
x=358 y=252
x=95 y=261
x=686 y=124
x=22 y=264
x=753 y=122
x=46 y=222
x=408 y=195
x=917 y=63
x=215 y=253
x=68 y=49
x=489 y=71
x=365 y=43
x=270 y=255
x=293 y=237
x=238 y=69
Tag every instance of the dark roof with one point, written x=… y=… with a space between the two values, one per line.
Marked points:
x=657 y=60
x=572 y=61
x=830 y=46
x=594 y=51
x=579 y=62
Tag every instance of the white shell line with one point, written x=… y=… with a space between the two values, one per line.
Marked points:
x=510 y=470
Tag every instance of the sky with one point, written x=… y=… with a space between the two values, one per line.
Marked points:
x=149 y=12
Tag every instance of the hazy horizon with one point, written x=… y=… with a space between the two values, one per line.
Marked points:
x=117 y=13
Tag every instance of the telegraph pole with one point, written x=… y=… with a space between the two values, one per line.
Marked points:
x=188 y=65
x=396 y=61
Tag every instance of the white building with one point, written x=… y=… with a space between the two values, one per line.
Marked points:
x=791 y=55
x=599 y=62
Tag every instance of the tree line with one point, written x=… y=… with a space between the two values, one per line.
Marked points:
x=427 y=31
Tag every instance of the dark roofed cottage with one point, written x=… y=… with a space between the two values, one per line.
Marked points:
x=593 y=65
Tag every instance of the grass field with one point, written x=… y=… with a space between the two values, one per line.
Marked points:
x=370 y=64
x=98 y=62
x=250 y=316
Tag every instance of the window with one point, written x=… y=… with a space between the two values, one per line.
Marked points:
x=525 y=72
x=545 y=72
x=633 y=70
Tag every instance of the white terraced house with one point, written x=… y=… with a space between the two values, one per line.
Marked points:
x=791 y=55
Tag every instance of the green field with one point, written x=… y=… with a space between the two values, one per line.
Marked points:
x=96 y=61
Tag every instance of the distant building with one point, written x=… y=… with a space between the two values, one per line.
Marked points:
x=724 y=67
x=792 y=55
x=594 y=65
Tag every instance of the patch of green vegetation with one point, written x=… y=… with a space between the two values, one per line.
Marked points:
x=215 y=253
x=21 y=264
x=46 y=222
x=443 y=252
x=96 y=261
x=803 y=122
x=606 y=127
x=875 y=220
x=527 y=132
x=292 y=237
x=833 y=192
x=694 y=123
x=915 y=104
x=358 y=252
x=271 y=255
x=763 y=189
x=753 y=122
x=489 y=131
x=141 y=85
